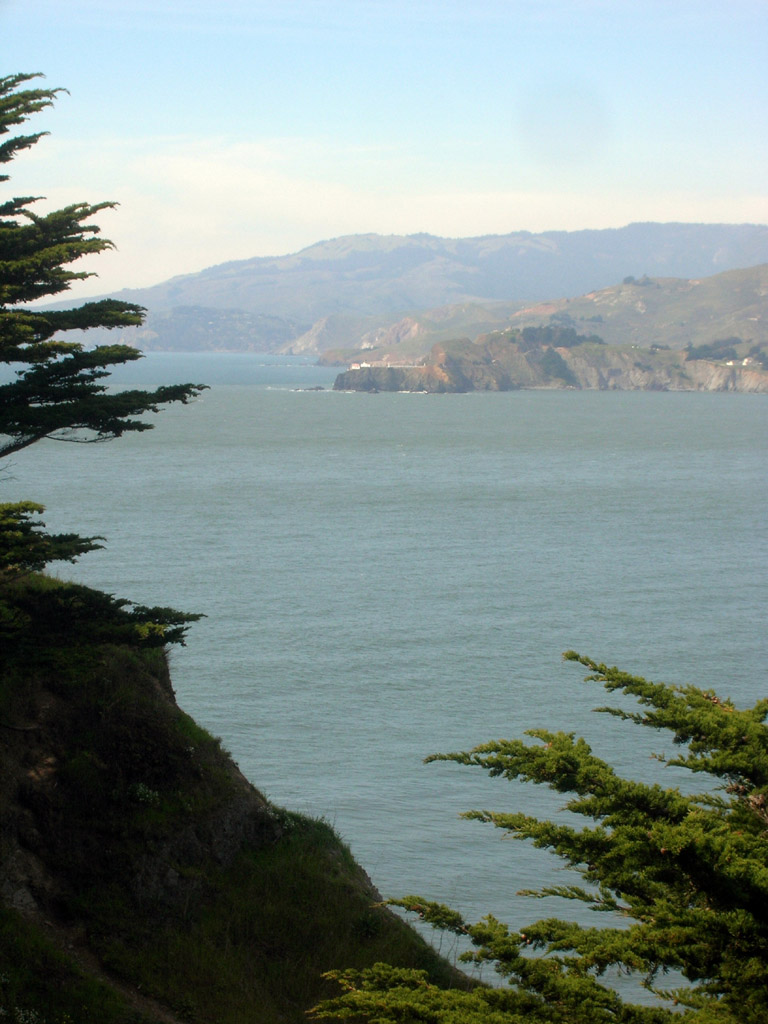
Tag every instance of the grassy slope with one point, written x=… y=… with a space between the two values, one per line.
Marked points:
x=672 y=312
x=143 y=878
x=668 y=311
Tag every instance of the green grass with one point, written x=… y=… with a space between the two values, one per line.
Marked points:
x=40 y=985
x=266 y=931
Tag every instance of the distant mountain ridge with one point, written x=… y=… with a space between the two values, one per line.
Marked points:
x=365 y=275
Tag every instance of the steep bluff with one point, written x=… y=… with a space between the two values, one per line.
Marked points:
x=555 y=358
x=143 y=878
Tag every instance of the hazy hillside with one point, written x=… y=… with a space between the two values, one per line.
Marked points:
x=365 y=275
x=644 y=312
x=202 y=329
x=667 y=311
x=411 y=336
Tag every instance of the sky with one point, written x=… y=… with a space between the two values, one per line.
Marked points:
x=228 y=129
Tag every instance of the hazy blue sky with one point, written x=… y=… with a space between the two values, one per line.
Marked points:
x=236 y=128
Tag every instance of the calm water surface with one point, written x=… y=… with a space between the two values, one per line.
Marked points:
x=390 y=575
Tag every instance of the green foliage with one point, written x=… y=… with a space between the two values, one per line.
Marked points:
x=40 y=985
x=59 y=391
x=684 y=878
x=144 y=837
x=554 y=366
x=39 y=615
x=257 y=941
x=559 y=336
x=759 y=355
x=58 y=394
x=26 y=547
x=390 y=994
x=725 y=348
x=643 y=282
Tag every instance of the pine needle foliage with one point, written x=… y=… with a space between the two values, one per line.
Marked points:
x=25 y=547
x=58 y=393
x=682 y=879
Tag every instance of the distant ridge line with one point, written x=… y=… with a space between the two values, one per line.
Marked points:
x=373 y=275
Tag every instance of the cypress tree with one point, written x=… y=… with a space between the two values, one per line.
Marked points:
x=59 y=391
x=680 y=879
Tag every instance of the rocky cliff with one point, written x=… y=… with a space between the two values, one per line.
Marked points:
x=556 y=358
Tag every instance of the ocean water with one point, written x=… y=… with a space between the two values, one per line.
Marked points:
x=387 y=576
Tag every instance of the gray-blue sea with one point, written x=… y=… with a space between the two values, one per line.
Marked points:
x=387 y=576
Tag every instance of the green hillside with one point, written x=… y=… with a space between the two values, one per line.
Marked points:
x=668 y=311
x=727 y=313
